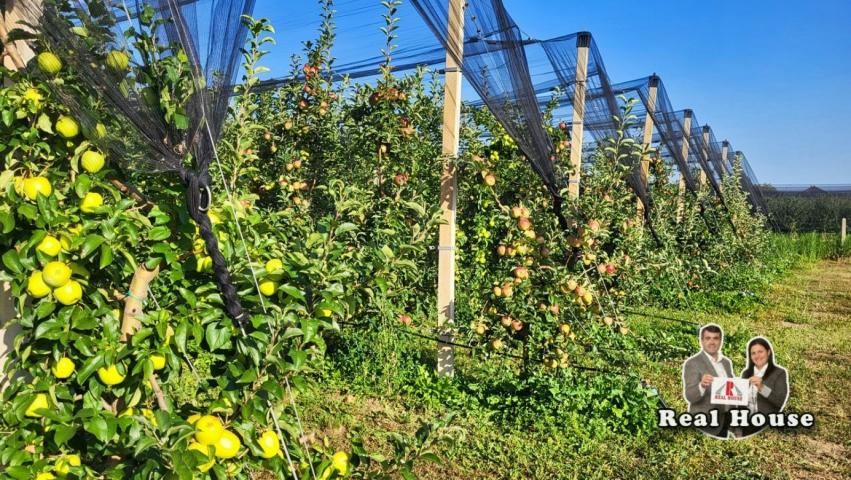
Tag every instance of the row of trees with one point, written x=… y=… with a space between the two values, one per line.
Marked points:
x=328 y=225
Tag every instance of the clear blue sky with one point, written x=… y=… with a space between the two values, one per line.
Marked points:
x=770 y=76
x=773 y=77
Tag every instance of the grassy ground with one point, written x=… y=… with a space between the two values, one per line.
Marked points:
x=806 y=316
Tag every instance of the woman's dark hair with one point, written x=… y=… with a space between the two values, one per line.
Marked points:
x=748 y=373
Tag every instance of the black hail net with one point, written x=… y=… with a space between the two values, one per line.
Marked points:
x=494 y=63
x=201 y=41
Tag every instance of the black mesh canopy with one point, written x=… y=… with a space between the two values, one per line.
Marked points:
x=194 y=64
x=494 y=63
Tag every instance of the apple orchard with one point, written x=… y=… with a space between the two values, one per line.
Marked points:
x=126 y=363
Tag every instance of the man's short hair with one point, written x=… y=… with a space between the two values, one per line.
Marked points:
x=711 y=328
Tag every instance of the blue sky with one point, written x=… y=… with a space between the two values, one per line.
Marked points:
x=770 y=76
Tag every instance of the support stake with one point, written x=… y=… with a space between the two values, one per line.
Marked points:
x=681 y=198
x=449 y=187
x=583 y=41
x=653 y=86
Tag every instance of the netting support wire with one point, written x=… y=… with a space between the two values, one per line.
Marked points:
x=303 y=439
x=408 y=331
x=449 y=186
x=660 y=317
x=257 y=287
x=583 y=42
x=281 y=440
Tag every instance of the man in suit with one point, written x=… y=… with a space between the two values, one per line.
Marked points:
x=698 y=373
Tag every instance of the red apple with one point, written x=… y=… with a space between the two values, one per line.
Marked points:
x=400 y=179
x=594 y=225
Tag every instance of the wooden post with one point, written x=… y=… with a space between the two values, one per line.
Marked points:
x=725 y=152
x=448 y=187
x=16 y=55
x=577 y=129
x=842 y=233
x=647 y=139
x=705 y=154
x=7 y=334
x=681 y=198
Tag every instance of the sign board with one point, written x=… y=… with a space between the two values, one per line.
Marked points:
x=730 y=391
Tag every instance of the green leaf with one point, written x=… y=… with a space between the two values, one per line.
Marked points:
x=44 y=123
x=98 y=427
x=159 y=233
x=143 y=444
x=313 y=239
x=416 y=207
x=293 y=292
x=46 y=327
x=44 y=309
x=298 y=357
x=84 y=321
x=29 y=211
x=387 y=252
x=105 y=256
x=63 y=433
x=8 y=222
x=6 y=178
x=180 y=336
x=89 y=368
x=91 y=244
x=82 y=185
x=345 y=228
x=12 y=262
x=217 y=337
x=181 y=122
x=190 y=297
x=248 y=376
x=430 y=456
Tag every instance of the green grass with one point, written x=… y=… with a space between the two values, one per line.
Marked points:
x=805 y=314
